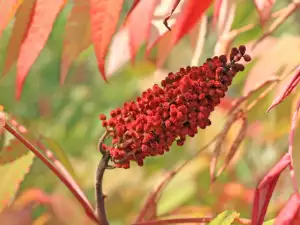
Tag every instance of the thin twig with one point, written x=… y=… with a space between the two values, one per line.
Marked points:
x=103 y=164
x=87 y=207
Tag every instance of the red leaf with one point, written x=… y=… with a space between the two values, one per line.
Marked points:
x=19 y=32
x=77 y=35
x=139 y=23
x=7 y=11
x=264 y=191
x=104 y=19
x=289 y=215
x=45 y=13
x=158 y=29
x=264 y=8
x=190 y=15
x=287 y=90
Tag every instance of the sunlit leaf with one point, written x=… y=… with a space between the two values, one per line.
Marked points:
x=225 y=218
x=45 y=13
x=11 y=176
x=77 y=35
x=189 y=16
x=8 y=9
x=104 y=18
x=139 y=24
x=18 y=34
x=158 y=29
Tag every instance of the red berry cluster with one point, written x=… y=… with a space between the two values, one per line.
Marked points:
x=163 y=114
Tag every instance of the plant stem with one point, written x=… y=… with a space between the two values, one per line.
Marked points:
x=188 y=220
x=87 y=207
x=100 y=207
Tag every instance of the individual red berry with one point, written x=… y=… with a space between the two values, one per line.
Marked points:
x=247 y=58
x=102 y=117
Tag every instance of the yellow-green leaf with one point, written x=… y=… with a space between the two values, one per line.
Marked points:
x=12 y=175
x=225 y=218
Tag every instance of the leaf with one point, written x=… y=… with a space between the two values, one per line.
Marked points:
x=139 y=24
x=290 y=213
x=8 y=9
x=77 y=35
x=158 y=29
x=264 y=190
x=11 y=176
x=104 y=19
x=264 y=8
x=45 y=13
x=120 y=43
x=287 y=90
x=269 y=222
x=189 y=16
x=14 y=149
x=225 y=218
x=61 y=156
x=19 y=32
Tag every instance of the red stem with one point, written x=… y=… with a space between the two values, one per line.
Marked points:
x=188 y=220
x=87 y=207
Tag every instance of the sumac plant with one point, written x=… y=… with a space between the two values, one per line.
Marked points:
x=164 y=116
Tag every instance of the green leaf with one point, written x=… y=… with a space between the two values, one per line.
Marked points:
x=225 y=218
x=13 y=151
x=12 y=148
x=60 y=155
x=269 y=222
x=12 y=175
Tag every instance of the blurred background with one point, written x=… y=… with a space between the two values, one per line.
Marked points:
x=67 y=116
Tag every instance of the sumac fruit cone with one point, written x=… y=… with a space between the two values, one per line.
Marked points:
x=170 y=112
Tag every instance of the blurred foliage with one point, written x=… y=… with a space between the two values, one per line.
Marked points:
x=68 y=115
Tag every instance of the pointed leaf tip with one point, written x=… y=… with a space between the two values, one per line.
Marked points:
x=45 y=13
x=104 y=19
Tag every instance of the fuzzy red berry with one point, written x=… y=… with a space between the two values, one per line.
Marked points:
x=162 y=115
